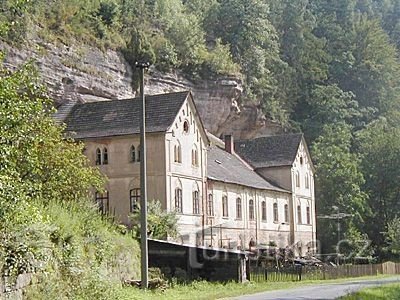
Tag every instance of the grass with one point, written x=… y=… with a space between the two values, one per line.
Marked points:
x=206 y=290
x=387 y=292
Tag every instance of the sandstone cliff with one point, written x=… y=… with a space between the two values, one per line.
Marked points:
x=79 y=74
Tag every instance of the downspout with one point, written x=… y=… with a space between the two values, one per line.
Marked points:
x=205 y=193
x=256 y=213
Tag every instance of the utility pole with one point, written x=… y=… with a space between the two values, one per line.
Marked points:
x=143 y=182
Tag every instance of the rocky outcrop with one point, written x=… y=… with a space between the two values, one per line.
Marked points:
x=82 y=73
x=78 y=73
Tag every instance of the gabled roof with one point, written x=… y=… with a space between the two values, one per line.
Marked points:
x=270 y=151
x=122 y=117
x=226 y=167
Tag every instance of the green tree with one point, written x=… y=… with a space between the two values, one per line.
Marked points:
x=338 y=181
x=392 y=236
x=379 y=146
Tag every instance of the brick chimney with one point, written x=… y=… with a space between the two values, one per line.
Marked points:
x=229 y=144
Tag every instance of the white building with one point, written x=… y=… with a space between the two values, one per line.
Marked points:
x=222 y=199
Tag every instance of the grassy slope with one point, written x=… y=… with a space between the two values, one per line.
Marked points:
x=387 y=292
x=206 y=290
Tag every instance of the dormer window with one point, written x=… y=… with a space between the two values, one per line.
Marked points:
x=186 y=126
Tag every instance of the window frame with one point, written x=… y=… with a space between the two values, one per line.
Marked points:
x=210 y=205
x=225 y=206
x=132 y=154
x=299 y=215
x=276 y=212
x=98 y=157
x=104 y=208
x=196 y=202
x=105 y=156
x=178 y=200
x=263 y=210
x=251 y=210
x=239 y=215
x=286 y=211
x=308 y=215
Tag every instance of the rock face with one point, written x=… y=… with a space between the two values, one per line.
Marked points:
x=81 y=73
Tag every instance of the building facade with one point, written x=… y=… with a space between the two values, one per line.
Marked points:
x=222 y=198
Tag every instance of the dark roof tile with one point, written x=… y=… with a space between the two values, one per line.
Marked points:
x=270 y=151
x=226 y=167
x=122 y=117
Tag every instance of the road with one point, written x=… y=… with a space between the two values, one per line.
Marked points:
x=321 y=291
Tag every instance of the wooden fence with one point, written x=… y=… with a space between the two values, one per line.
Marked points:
x=298 y=272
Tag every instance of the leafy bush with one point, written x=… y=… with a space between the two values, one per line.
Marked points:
x=161 y=223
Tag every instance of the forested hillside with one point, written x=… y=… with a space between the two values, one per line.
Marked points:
x=329 y=68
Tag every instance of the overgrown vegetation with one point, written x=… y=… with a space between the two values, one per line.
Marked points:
x=328 y=68
x=160 y=223
x=48 y=224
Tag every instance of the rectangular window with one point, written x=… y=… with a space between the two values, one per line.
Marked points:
x=308 y=215
x=178 y=200
x=276 y=213
x=238 y=208
x=286 y=213
x=225 y=206
x=264 y=211
x=210 y=205
x=251 y=210
x=299 y=221
x=102 y=202
x=196 y=203
x=134 y=197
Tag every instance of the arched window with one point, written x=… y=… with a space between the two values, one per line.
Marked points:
x=186 y=126
x=299 y=221
x=210 y=205
x=276 y=212
x=196 y=203
x=102 y=201
x=134 y=199
x=286 y=213
x=301 y=160
x=105 y=156
x=308 y=215
x=251 y=209
x=133 y=154
x=178 y=200
x=263 y=211
x=138 y=154
x=225 y=206
x=307 y=182
x=238 y=208
x=98 y=156
x=178 y=153
x=297 y=179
